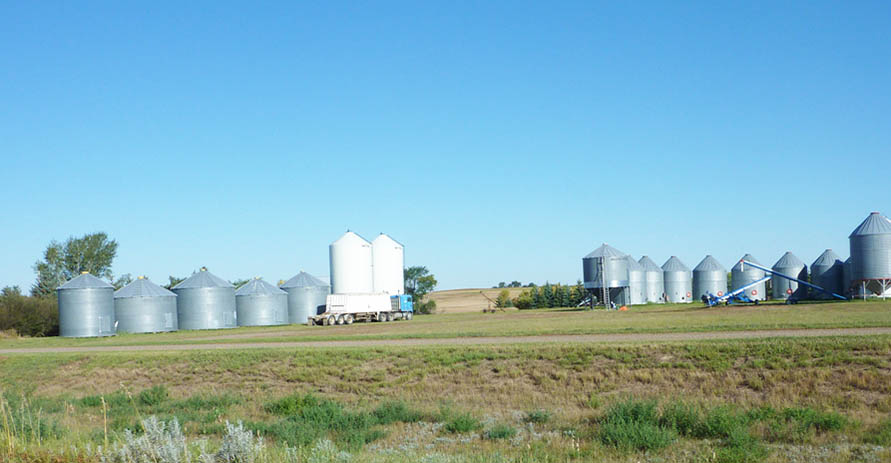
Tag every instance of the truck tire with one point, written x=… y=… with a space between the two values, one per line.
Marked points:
x=348 y=319
x=340 y=319
x=386 y=316
x=330 y=320
x=407 y=315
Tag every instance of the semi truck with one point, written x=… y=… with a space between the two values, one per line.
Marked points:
x=344 y=309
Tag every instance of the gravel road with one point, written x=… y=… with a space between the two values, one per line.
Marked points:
x=500 y=340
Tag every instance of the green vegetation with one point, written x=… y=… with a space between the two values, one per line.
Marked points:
x=744 y=400
x=419 y=282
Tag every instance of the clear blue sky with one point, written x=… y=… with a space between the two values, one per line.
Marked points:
x=496 y=140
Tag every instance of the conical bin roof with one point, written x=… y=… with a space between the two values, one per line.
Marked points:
x=605 y=250
x=258 y=287
x=828 y=259
x=789 y=260
x=673 y=264
x=203 y=279
x=874 y=224
x=709 y=264
x=142 y=287
x=649 y=265
x=747 y=258
x=304 y=280
x=85 y=281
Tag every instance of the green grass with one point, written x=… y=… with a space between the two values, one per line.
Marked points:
x=666 y=318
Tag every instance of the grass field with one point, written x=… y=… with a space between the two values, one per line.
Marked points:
x=774 y=399
x=676 y=318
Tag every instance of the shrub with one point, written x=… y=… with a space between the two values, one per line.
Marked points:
x=29 y=316
x=633 y=425
x=396 y=411
x=160 y=442
x=537 y=416
x=523 y=301
x=153 y=396
x=459 y=422
x=720 y=422
x=880 y=434
x=740 y=447
x=501 y=431
x=684 y=418
x=239 y=445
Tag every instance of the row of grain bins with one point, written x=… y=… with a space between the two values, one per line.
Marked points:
x=89 y=306
x=610 y=274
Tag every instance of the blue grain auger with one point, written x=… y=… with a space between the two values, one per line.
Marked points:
x=739 y=295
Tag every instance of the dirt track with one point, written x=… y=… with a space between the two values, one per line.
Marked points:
x=585 y=338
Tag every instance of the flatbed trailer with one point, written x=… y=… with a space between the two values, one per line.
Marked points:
x=346 y=309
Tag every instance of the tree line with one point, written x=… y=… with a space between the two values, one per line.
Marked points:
x=546 y=296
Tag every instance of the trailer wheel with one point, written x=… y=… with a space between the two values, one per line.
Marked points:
x=348 y=319
x=407 y=315
x=340 y=319
x=330 y=320
x=386 y=316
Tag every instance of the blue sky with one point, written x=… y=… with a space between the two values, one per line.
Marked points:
x=497 y=141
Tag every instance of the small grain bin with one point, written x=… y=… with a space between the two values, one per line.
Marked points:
x=783 y=288
x=86 y=307
x=144 y=307
x=306 y=297
x=259 y=303
x=205 y=302
x=827 y=272
x=709 y=277
x=678 y=281
x=655 y=284
x=637 y=283
x=740 y=277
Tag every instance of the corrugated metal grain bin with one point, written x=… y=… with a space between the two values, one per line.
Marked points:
x=306 y=297
x=86 y=307
x=871 y=253
x=388 y=265
x=792 y=266
x=655 y=285
x=677 y=280
x=637 y=282
x=612 y=261
x=740 y=278
x=827 y=272
x=144 y=307
x=350 y=260
x=205 y=302
x=709 y=277
x=259 y=303
x=848 y=275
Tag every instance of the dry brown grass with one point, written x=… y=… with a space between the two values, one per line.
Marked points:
x=468 y=300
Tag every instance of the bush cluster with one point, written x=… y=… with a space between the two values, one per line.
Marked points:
x=28 y=316
x=548 y=295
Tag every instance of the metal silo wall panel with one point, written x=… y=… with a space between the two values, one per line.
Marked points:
x=848 y=274
x=146 y=314
x=780 y=285
x=677 y=285
x=706 y=282
x=87 y=312
x=871 y=256
x=655 y=286
x=828 y=277
x=637 y=287
x=205 y=308
x=616 y=272
x=739 y=279
x=590 y=273
x=262 y=309
x=305 y=302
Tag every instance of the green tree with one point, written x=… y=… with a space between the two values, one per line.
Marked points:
x=515 y=284
x=122 y=281
x=537 y=301
x=173 y=281
x=239 y=283
x=547 y=295
x=501 y=284
x=503 y=299
x=93 y=253
x=418 y=283
x=523 y=301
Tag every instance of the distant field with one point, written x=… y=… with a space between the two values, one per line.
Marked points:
x=468 y=300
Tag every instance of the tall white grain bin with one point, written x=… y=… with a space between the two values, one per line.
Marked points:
x=350 y=259
x=388 y=265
